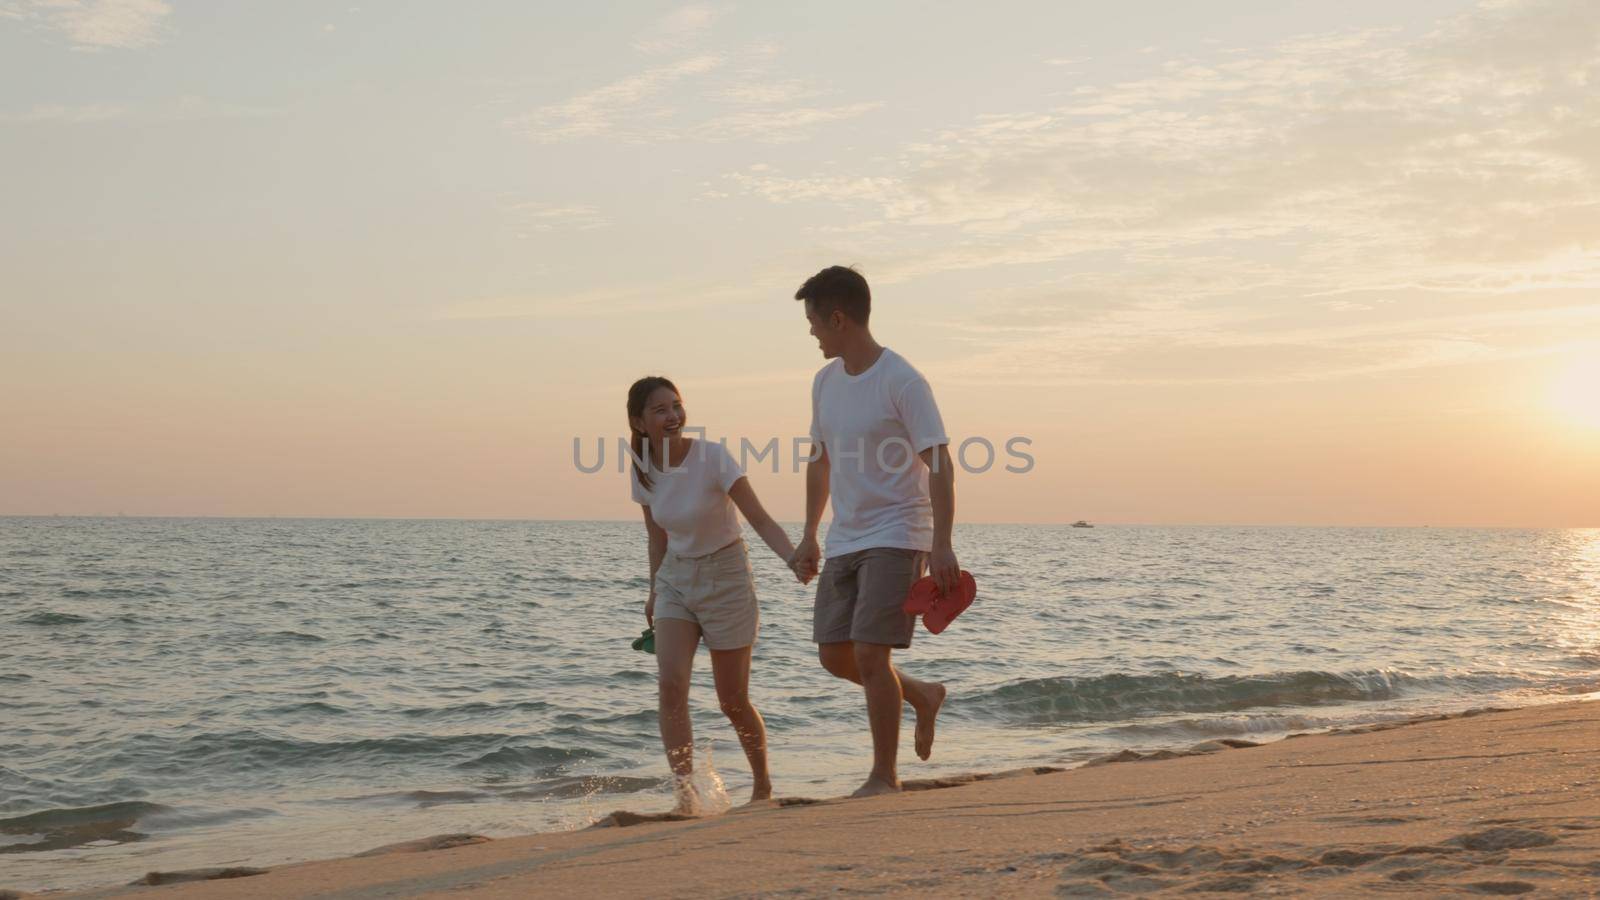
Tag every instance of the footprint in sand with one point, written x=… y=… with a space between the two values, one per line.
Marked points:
x=1484 y=861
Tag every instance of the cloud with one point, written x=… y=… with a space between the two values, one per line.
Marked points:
x=677 y=29
x=756 y=93
x=75 y=115
x=1456 y=166
x=633 y=109
x=95 y=24
x=601 y=303
x=611 y=110
x=1092 y=338
x=182 y=109
x=1422 y=149
x=779 y=125
x=708 y=97
x=534 y=216
x=1222 y=322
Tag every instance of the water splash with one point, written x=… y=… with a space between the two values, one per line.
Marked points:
x=708 y=785
x=703 y=793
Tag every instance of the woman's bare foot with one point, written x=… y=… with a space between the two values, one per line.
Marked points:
x=926 y=719
x=875 y=786
x=761 y=792
x=688 y=798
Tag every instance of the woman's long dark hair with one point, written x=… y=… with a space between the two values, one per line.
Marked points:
x=638 y=396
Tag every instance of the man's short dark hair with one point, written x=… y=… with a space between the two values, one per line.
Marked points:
x=838 y=288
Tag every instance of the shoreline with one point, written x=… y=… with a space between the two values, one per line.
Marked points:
x=1482 y=801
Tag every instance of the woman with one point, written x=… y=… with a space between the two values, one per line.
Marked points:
x=700 y=578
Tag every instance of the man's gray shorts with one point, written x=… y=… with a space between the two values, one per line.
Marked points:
x=861 y=595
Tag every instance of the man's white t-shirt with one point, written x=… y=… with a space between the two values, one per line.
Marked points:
x=691 y=502
x=873 y=425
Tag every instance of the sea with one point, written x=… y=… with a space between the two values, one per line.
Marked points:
x=180 y=693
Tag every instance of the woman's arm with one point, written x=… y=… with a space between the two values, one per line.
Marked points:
x=658 y=552
x=744 y=497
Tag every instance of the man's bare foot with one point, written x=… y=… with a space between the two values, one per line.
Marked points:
x=876 y=786
x=761 y=792
x=925 y=722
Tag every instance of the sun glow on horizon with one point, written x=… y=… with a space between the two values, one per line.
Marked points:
x=1575 y=394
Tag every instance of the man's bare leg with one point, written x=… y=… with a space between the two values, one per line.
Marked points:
x=924 y=697
x=881 y=684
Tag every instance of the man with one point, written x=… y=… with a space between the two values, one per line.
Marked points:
x=880 y=452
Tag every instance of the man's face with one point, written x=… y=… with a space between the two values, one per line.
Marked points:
x=825 y=330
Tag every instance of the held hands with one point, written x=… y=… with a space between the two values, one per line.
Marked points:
x=650 y=610
x=805 y=561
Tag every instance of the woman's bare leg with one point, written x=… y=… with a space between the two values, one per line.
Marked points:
x=676 y=642
x=731 y=669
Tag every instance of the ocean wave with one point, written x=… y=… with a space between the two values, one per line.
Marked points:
x=422 y=798
x=48 y=619
x=170 y=819
x=121 y=822
x=1209 y=727
x=517 y=759
x=559 y=788
x=292 y=637
x=584 y=786
x=23 y=793
x=478 y=708
x=1064 y=699
x=1574 y=686
x=120 y=815
x=61 y=829
x=115 y=593
x=312 y=707
x=637 y=719
x=252 y=751
x=376 y=582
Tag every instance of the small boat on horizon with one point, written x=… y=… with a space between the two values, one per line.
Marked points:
x=1081 y=524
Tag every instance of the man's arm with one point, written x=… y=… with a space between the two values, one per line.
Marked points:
x=942 y=565
x=808 y=556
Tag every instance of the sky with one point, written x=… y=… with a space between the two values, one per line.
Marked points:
x=1234 y=262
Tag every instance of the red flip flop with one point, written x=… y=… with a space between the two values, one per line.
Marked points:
x=938 y=610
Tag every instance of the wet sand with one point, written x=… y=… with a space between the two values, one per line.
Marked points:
x=1493 y=802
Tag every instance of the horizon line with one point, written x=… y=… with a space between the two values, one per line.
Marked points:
x=1050 y=524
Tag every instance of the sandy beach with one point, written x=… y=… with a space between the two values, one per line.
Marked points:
x=1489 y=802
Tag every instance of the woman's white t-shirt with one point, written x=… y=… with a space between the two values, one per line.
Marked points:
x=691 y=502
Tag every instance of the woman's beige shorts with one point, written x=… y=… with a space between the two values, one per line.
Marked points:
x=716 y=591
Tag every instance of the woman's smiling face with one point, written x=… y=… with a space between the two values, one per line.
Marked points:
x=663 y=416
